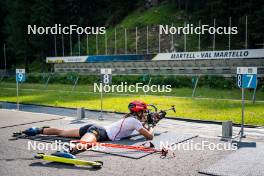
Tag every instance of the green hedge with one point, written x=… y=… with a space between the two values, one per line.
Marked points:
x=216 y=82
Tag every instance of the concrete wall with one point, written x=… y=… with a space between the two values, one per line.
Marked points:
x=226 y=67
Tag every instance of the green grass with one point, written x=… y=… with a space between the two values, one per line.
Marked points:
x=187 y=107
x=201 y=92
x=162 y=14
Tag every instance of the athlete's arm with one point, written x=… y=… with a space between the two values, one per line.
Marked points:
x=148 y=134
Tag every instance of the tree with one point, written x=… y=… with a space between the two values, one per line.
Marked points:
x=42 y=15
x=2 y=37
x=15 y=29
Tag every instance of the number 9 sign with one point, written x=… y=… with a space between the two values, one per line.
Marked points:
x=20 y=75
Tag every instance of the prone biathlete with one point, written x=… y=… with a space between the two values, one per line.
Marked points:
x=135 y=120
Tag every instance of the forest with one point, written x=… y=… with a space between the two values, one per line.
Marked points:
x=22 y=48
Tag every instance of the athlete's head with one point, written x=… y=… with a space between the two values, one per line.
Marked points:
x=138 y=108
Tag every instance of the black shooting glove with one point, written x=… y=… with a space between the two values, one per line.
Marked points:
x=150 y=120
x=154 y=118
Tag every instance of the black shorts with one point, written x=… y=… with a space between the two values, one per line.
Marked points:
x=99 y=131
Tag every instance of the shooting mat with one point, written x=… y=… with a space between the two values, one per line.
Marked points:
x=166 y=137
x=169 y=138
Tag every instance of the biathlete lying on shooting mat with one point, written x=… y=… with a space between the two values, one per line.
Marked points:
x=135 y=120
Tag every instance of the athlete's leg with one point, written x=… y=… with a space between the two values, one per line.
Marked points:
x=88 y=137
x=61 y=132
x=91 y=134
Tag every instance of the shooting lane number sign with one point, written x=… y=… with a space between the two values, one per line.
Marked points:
x=106 y=75
x=106 y=78
x=20 y=78
x=246 y=79
x=20 y=75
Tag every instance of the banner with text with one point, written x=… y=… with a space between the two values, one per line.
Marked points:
x=227 y=54
x=100 y=58
x=66 y=59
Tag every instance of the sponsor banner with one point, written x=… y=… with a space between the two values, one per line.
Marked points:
x=126 y=57
x=226 y=54
x=66 y=59
x=100 y=58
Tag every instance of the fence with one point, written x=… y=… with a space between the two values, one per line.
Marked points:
x=147 y=40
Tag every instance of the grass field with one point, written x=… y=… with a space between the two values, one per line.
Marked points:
x=210 y=104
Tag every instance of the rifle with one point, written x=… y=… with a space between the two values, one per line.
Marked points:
x=153 y=118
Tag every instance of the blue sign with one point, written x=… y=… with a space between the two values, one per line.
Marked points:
x=20 y=75
x=247 y=81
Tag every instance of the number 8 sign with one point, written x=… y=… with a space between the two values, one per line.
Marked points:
x=106 y=79
x=239 y=80
x=106 y=75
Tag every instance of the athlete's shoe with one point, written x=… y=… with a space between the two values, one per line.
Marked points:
x=33 y=131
